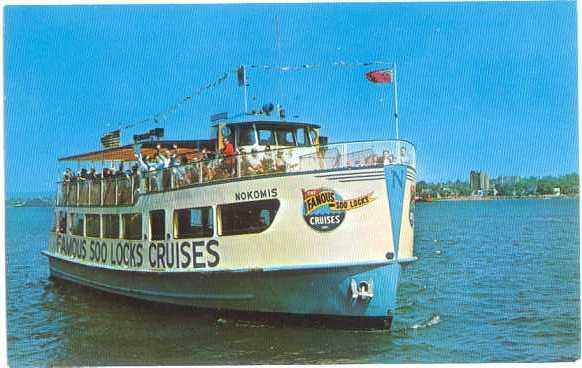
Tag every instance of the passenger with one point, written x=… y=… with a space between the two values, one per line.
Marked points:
x=174 y=156
x=245 y=165
x=256 y=166
x=208 y=171
x=143 y=163
x=83 y=174
x=165 y=165
x=280 y=164
x=228 y=152
x=387 y=158
x=92 y=174
x=179 y=172
x=156 y=164
x=62 y=224
x=268 y=162
x=68 y=175
x=404 y=159
x=164 y=158
x=186 y=170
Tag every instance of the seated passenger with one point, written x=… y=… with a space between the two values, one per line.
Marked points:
x=256 y=166
x=387 y=157
x=404 y=158
x=280 y=164
x=268 y=163
x=245 y=165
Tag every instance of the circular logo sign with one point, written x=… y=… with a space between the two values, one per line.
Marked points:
x=320 y=209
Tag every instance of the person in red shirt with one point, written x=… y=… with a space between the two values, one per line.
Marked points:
x=228 y=148
x=228 y=153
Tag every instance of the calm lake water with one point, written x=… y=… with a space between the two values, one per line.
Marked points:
x=496 y=281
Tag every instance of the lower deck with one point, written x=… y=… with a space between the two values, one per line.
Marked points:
x=307 y=219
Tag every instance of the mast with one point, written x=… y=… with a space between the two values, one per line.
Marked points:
x=396 y=102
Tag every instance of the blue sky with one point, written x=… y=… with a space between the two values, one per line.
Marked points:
x=488 y=86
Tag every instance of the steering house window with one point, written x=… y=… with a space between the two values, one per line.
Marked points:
x=93 y=225
x=77 y=224
x=111 y=226
x=158 y=224
x=247 y=217
x=193 y=223
x=131 y=226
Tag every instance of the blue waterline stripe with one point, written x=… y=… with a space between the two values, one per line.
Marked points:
x=100 y=285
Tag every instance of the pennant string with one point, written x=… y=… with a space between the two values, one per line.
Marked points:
x=163 y=115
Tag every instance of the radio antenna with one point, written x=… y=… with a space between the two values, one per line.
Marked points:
x=278 y=46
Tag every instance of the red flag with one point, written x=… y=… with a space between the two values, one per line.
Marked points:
x=241 y=75
x=380 y=76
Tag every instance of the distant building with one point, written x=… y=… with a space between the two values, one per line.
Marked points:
x=474 y=180
x=479 y=181
x=484 y=180
x=508 y=180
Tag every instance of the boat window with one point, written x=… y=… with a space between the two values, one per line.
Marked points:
x=62 y=222
x=226 y=132
x=246 y=136
x=77 y=222
x=131 y=226
x=193 y=223
x=313 y=135
x=266 y=137
x=301 y=137
x=247 y=217
x=111 y=226
x=93 y=225
x=285 y=137
x=157 y=224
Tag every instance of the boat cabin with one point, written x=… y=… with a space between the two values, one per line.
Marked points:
x=260 y=135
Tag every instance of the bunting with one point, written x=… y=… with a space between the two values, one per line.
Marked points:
x=240 y=73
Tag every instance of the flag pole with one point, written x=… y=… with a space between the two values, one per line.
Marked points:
x=395 y=101
x=245 y=89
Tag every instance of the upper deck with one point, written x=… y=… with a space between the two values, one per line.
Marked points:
x=125 y=188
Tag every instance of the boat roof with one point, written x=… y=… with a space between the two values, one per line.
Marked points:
x=270 y=123
x=126 y=153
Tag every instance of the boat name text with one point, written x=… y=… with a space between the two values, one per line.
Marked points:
x=157 y=255
x=256 y=194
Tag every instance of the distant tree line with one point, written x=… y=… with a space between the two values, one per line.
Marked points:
x=568 y=184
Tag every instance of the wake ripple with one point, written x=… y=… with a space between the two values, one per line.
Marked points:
x=433 y=320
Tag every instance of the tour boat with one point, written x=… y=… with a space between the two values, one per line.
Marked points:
x=289 y=224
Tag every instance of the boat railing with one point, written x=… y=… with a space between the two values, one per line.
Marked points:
x=124 y=190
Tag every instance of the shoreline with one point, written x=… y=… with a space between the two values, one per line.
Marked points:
x=498 y=198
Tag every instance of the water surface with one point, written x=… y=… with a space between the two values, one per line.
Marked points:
x=495 y=281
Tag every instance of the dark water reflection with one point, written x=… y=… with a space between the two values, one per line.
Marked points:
x=496 y=281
